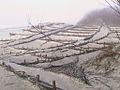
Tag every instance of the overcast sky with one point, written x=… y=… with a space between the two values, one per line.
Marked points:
x=19 y=12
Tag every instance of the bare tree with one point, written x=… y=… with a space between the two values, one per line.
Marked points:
x=115 y=5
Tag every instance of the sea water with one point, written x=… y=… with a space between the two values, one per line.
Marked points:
x=5 y=31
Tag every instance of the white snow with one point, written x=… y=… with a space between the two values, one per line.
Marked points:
x=104 y=30
x=9 y=81
x=62 y=81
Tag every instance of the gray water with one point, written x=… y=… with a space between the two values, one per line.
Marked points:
x=4 y=32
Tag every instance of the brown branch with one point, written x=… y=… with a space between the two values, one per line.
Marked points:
x=112 y=52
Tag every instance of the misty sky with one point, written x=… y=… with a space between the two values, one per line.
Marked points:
x=19 y=12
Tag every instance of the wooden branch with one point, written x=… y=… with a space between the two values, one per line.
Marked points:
x=112 y=52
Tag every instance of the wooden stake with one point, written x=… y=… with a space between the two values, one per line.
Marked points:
x=24 y=61
x=104 y=44
x=38 y=78
x=54 y=85
x=3 y=63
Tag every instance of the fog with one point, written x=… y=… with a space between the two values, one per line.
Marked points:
x=20 y=12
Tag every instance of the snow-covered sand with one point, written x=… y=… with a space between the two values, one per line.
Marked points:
x=9 y=81
x=56 y=45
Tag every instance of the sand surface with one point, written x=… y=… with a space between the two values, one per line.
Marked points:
x=58 y=54
x=9 y=81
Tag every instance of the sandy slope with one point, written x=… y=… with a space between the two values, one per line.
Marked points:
x=9 y=81
x=49 y=48
x=63 y=81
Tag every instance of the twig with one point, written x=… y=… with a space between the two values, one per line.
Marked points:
x=110 y=51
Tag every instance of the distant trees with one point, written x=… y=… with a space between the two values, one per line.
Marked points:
x=109 y=15
x=97 y=17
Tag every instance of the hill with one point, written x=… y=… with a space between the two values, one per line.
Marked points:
x=97 y=17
